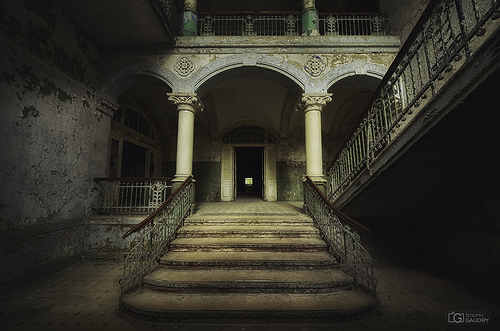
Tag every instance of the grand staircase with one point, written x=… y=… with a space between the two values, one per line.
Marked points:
x=257 y=265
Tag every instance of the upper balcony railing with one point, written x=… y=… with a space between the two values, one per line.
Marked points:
x=356 y=24
x=288 y=24
x=444 y=39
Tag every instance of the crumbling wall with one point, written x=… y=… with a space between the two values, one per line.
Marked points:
x=53 y=141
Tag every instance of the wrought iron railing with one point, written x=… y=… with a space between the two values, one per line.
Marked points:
x=131 y=195
x=249 y=24
x=154 y=234
x=288 y=24
x=341 y=234
x=441 y=37
x=356 y=24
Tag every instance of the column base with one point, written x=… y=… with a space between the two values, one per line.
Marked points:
x=320 y=182
x=178 y=180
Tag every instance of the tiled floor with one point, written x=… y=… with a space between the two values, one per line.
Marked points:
x=85 y=297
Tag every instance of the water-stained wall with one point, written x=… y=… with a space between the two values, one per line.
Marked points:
x=53 y=142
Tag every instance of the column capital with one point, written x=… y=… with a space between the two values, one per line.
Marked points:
x=314 y=101
x=308 y=5
x=186 y=101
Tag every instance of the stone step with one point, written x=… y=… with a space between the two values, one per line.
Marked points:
x=244 y=260
x=247 y=244
x=338 y=305
x=248 y=231
x=248 y=220
x=296 y=281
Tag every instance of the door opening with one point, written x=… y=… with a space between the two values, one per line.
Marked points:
x=249 y=172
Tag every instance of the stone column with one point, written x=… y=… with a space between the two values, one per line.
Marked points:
x=189 y=24
x=310 y=19
x=312 y=104
x=187 y=105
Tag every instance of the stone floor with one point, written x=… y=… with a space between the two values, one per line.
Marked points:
x=86 y=297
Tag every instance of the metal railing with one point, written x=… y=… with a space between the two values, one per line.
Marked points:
x=154 y=234
x=341 y=234
x=288 y=24
x=356 y=24
x=249 y=24
x=131 y=195
x=441 y=37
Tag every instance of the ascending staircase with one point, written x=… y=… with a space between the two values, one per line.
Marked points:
x=241 y=266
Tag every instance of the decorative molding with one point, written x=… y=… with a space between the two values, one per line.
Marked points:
x=315 y=66
x=105 y=107
x=184 y=66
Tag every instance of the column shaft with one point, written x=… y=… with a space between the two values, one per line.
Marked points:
x=187 y=105
x=310 y=18
x=312 y=104
x=189 y=18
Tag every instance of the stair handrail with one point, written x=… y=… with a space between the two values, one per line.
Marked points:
x=338 y=212
x=154 y=234
x=341 y=234
x=395 y=100
x=152 y=216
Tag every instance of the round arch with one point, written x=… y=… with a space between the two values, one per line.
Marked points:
x=133 y=74
x=249 y=65
x=356 y=68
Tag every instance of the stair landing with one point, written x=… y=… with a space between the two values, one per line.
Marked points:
x=248 y=260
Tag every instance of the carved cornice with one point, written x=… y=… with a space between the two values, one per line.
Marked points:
x=314 y=101
x=186 y=101
x=105 y=107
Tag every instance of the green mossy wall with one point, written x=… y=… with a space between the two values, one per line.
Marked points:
x=207 y=176
x=290 y=180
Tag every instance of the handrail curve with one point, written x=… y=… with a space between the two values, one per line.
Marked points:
x=338 y=212
x=152 y=216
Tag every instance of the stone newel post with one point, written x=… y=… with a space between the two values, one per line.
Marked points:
x=312 y=104
x=187 y=105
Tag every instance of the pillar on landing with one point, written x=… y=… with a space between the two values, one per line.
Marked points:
x=312 y=104
x=310 y=19
x=189 y=23
x=187 y=105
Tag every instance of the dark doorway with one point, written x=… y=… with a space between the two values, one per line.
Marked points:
x=133 y=160
x=249 y=172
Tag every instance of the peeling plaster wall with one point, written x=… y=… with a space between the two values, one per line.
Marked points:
x=403 y=15
x=52 y=142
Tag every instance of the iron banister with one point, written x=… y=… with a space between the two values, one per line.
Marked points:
x=392 y=69
x=150 y=218
x=338 y=212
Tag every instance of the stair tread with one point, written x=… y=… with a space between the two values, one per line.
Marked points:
x=248 y=227
x=248 y=275
x=158 y=302
x=248 y=241
x=247 y=256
